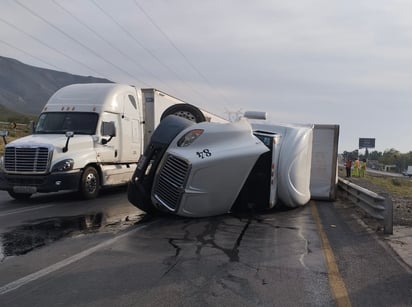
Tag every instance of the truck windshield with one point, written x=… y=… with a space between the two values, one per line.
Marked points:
x=60 y=122
x=266 y=139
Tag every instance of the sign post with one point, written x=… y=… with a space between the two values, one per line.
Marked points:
x=366 y=143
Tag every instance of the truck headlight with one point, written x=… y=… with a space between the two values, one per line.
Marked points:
x=189 y=137
x=63 y=166
x=1 y=163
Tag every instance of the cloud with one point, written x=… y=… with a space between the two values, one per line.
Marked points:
x=345 y=62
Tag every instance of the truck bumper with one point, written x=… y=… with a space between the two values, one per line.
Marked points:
x=30 y=184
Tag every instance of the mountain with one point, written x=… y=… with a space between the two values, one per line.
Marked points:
x=26 y=89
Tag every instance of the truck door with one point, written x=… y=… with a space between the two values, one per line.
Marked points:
x=109 y=152
x=260 y=188
x=131 y=130
x=266 y=170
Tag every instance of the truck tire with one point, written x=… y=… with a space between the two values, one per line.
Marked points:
x=185 y=110
x=19 y=196
x=89 y=183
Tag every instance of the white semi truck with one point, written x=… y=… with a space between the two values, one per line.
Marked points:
x=207 y=169
x=89 y=136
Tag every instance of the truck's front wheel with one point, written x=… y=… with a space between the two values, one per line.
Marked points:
x=90 y=183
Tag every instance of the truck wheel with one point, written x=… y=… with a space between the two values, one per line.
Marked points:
x=90 y=183
x=185 y=110
x=19 y=196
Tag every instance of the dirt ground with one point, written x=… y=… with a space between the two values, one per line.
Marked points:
x=402 y=205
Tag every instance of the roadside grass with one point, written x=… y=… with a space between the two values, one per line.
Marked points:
x=397 y=186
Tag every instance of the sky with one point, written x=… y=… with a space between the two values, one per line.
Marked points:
x=302 y=61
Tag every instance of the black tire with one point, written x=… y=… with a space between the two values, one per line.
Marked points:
x=89 y=183
x=185 y=110
x=19 y=196
x=140 y=198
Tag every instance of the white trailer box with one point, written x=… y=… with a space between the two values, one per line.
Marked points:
x=324 y=170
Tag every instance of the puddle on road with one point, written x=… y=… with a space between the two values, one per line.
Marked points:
x=25 y=238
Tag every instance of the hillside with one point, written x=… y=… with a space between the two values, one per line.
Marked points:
x=25 y=89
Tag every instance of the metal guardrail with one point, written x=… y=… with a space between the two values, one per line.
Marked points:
x=379 y=207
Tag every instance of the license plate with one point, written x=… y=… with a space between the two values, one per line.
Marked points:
x=24 y=189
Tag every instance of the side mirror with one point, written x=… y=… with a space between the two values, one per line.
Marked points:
x=3 y=134
x=69 y=134
x=107 y=129
x=32 y=126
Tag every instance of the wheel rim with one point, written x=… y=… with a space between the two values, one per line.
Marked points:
x=187 y=115
x=90 y=183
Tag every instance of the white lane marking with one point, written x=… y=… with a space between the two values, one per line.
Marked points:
x=23 y=210
x=61 y=264
x=306 y=252
x=1 y=251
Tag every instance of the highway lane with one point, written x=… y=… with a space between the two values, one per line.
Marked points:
x=111 y=205
x=211 y=261
x=373 y=274
x=275 y=258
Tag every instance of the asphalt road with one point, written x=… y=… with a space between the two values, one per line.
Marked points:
x=60 y=251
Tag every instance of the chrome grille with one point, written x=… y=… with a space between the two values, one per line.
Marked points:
x=171 y=181
x=26 y=160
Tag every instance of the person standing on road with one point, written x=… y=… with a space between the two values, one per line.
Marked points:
x=356 y=166
x=348 y=166
x=362 y=168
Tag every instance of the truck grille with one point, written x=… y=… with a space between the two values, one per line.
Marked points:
x=26 y=160
x=170 y=182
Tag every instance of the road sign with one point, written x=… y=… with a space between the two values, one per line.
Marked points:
x=366 y=143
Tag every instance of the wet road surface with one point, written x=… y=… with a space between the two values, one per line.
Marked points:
x=277 y=258
x=44 y=219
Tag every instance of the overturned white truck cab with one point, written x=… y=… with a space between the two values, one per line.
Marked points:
x=208 y=169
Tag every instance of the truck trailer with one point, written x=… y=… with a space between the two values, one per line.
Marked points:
x=87 y=137
x=207 y=169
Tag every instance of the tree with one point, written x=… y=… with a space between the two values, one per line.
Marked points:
x=374 y=155
x=390 y=156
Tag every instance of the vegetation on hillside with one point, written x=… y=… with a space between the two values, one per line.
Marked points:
x=26 y=88
x=7 y=115
x=17 y=125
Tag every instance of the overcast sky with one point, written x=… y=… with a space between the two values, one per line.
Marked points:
x=302 y=61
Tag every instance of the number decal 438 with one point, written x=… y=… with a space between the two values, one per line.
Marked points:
x=205 y=153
